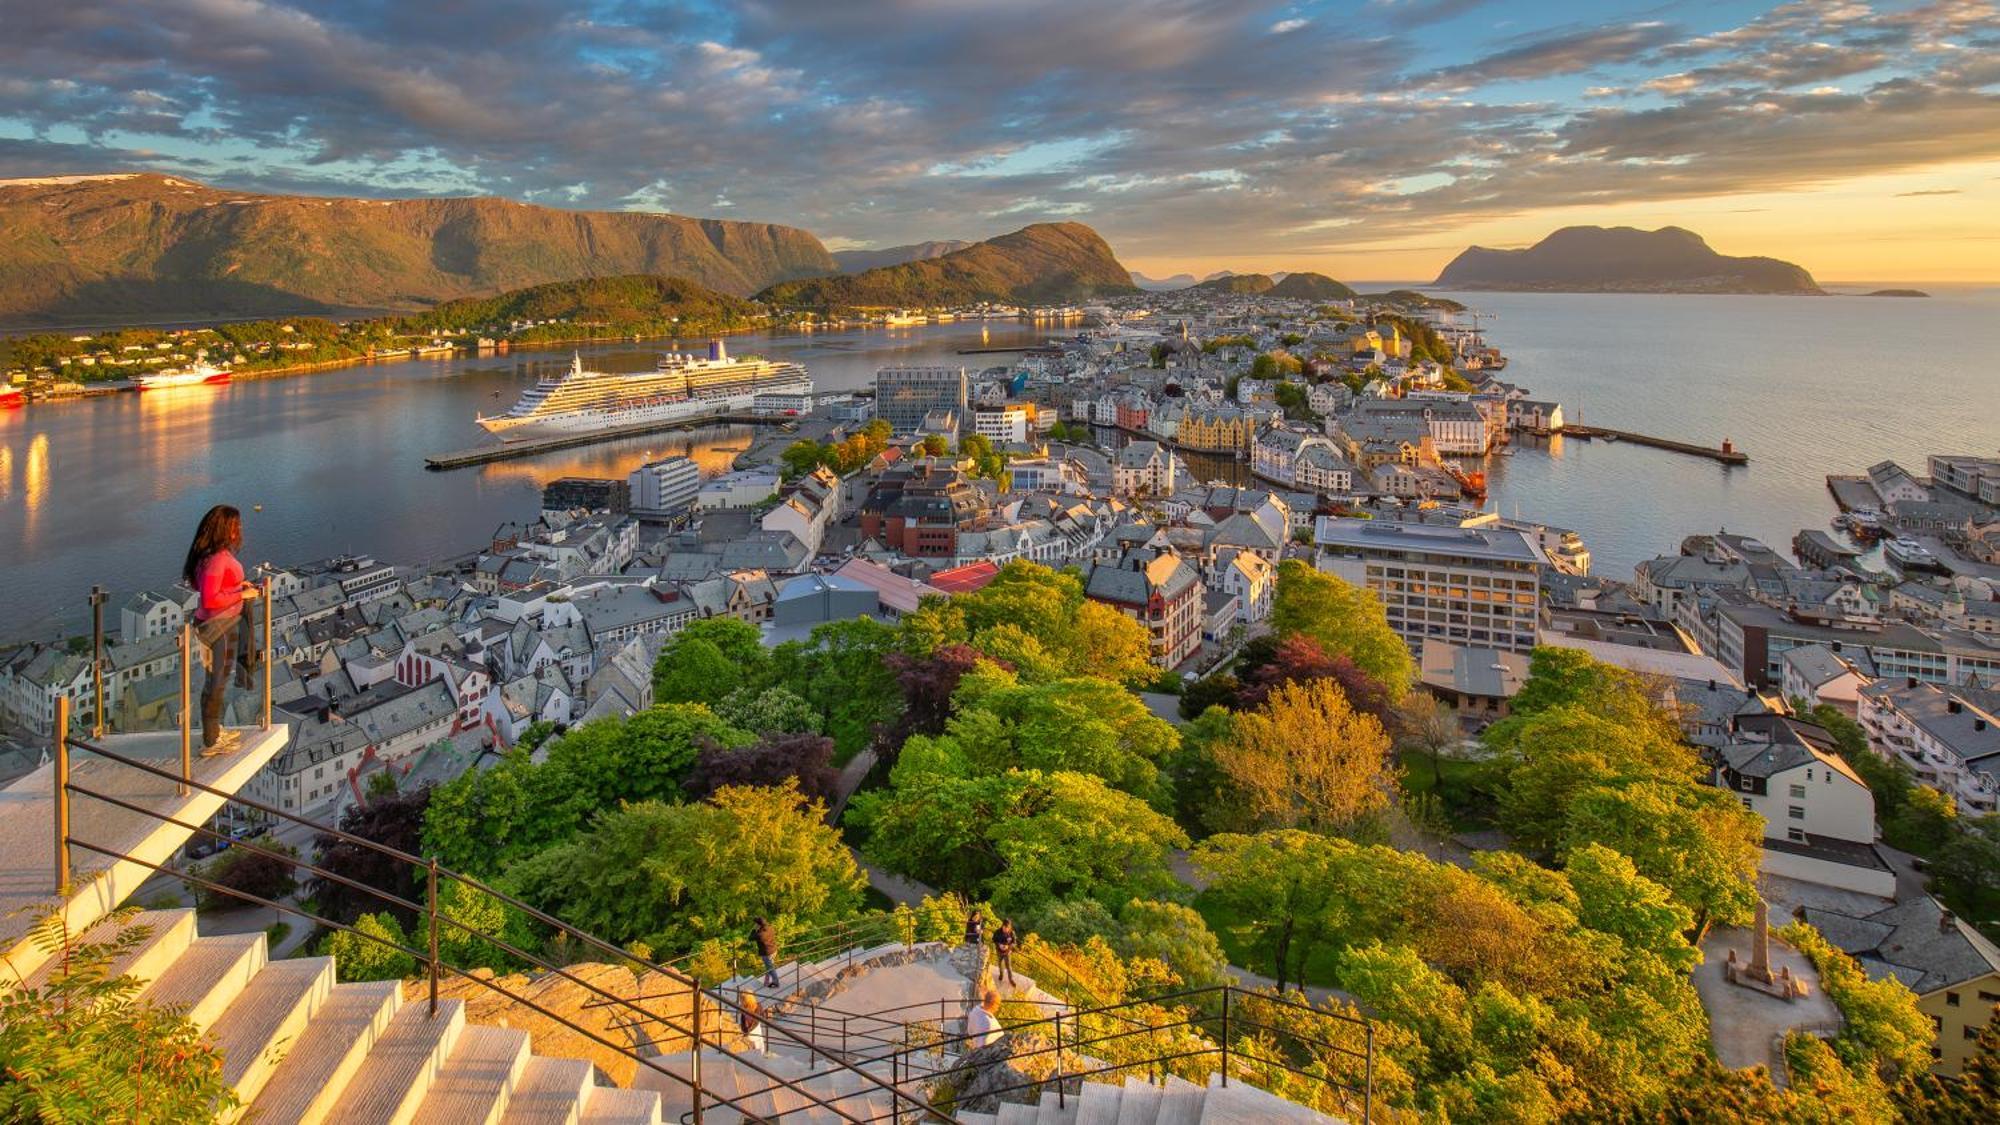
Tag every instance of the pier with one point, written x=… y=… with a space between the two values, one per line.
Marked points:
x=507 y=451
x=1728 y=454
x=998 y=351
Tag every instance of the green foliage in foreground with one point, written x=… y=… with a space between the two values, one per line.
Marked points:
x=83 y=1047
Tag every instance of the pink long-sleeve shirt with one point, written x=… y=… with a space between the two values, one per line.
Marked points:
x=220 y=581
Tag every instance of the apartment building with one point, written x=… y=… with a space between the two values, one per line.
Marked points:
x=1474 y=586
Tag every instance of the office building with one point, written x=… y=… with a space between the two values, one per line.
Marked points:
x=664 y=488
x=904 y=396
x=1478 y=586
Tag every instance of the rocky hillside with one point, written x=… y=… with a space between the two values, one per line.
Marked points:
x=1623 y=260
x=1042 y=263
x=858 y=261
x=1310 y=286
x=1244 y=283
x=106 y=247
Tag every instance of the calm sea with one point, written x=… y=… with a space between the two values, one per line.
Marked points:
x=107 y=490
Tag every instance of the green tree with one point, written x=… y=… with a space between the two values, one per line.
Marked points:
x=1698 y=842
x=82 y=1045
x=1081 y=724
x=672 y=876
x=709 y=659
x=1546 y=759
x=1279 y=885
x=1927 y=822
x=935 y=445
x=843 y=670
x=1038 y=621
x=469 y=923
x=483 y=820
x=1176 y=936
x=1344 y=619
x=1966 y=870
x=1306 y=759
x=367 y=953
x=1021 y=839
x=803 y=456
x=773 y=710
x=250 y=872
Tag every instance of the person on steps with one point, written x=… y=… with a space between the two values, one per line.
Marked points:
x=766 y=937
x=982 y=1024
x=211 y=568
x=975 y=928
x=1003 y=952
x=750 y=1020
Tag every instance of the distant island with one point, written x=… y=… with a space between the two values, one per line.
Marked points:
x=1043 y=263
x=1162 y=284
x=1248 y=284
x=1897 y=293
x=1623 y=260
x=860 y=261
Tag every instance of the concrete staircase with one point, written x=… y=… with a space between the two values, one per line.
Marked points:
x=1139 y=1103
x=300 y=1048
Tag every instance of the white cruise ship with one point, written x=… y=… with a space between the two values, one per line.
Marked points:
x=680 y=386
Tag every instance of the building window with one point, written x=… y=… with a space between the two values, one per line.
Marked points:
x=1796 y=812
x=1798 y=792
x=1746 y=801
x=1796 y=835
x=1951 y=999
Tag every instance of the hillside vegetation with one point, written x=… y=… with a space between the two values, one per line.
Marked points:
x=1623 y=260
x=1041 y=263
x=148 y=245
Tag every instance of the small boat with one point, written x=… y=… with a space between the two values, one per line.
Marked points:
x=1866 y=521
x=1910 y=554
x=187 y=377
x=11 y=397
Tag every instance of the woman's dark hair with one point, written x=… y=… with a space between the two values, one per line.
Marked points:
x=221 y=530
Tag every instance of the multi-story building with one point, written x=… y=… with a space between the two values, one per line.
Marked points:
x=1818 y=674
x=1160 y=590
x=1143 y=468
x=808 y=509
x=1011 y=421
x=1977 y=478
x=1952 y=968
x=905 y=395
x=154 y=613
x=664 y=488
x=1219 y=430
x=1819 y=817
x=1949 y=735
x=1477 y=586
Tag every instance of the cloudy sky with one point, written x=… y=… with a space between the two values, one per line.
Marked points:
x=1366 y=138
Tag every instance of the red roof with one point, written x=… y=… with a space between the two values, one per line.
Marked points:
x=965 y=579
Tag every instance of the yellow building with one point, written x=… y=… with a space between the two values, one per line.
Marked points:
x=1952 y=968
x=1217 y=431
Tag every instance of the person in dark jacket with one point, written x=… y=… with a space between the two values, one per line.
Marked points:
x=766 y=937
x=975 y=928
x=1003 y=951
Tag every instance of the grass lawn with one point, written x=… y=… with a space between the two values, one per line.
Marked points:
x=1454 y=795
x=1234 y=933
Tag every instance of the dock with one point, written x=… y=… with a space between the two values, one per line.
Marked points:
x=509 y=450
x=1727 y=454
x=998 y=351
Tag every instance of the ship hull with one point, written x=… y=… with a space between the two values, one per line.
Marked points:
x=169 y=382
x=510 y=428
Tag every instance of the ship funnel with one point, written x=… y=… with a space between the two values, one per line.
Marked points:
x=716 y=351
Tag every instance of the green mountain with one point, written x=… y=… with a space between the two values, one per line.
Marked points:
x=126 y=246
x=1310 y=287
x=1042 y=263
x=857 y=261
x=1623 y=260
x=614 y=302
x=1246 y=284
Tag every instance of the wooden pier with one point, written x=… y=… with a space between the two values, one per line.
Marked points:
x=508 y=450
x=1728 y=454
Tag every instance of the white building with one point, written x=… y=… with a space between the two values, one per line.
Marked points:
x=744 y=488
x=1949 y=735
x=1143 y=467
x=1472 y=586
x=154 y=613
x=1817 y=674
x=664 y=487
x=1011 y=421
x=1819 y=817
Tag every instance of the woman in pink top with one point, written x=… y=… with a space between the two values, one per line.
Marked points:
x=213 y=571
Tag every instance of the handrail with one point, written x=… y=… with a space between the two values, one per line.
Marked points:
x=67 y=787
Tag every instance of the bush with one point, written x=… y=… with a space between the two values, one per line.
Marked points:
x=1884 y=1029
x=249 y=872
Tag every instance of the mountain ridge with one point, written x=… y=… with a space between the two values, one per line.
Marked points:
x=861 y=261
x=1589 y=259
x=1043 y=262
x=151 y=244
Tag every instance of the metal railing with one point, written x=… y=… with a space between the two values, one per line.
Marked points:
x=435 y=967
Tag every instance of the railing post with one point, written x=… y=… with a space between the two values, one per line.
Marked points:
x=98 y=596
x=1368 y=1098
x=431 y=907
x=1061 y=1103
x=59 y=789
x=694 y=1065
x=267 y=651
x=187 y=703
x=1225 y=1035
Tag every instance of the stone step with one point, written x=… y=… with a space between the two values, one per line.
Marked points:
x=1057 y=1109
x=319 y=1063
x=477 y=1079
x=608 y=1105
x=208 y=975
x=1180 y=1103
x=168 y=934
x=1017 y=1113
x=1238 y=1104
x=266 y=1020
x=550 y=1092
x=397 y=1074
x=1098 y=1104
x=1139 y=1104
